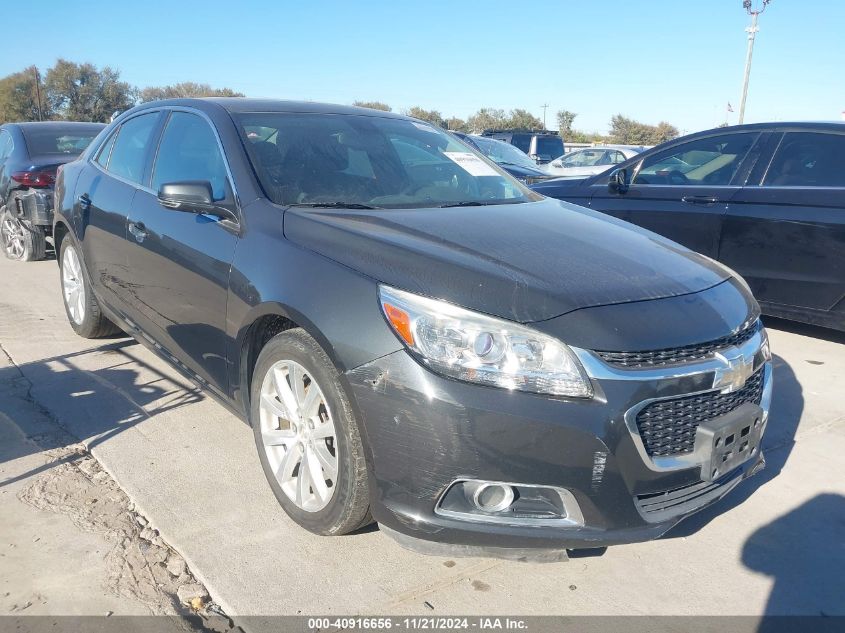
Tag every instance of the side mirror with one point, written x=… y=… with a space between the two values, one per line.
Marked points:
x=618 y=182
x=193 y=196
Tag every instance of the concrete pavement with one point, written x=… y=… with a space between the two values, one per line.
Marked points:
x=774 y=546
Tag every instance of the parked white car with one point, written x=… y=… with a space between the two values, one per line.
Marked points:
x=590 y=161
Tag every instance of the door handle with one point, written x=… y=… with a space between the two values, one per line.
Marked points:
x=700 y=199
x=84 y=201
x=138 y=231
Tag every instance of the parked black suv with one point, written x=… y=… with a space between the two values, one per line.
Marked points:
x=30 y=154
x=767 y=199
x=543 y=146
x=412 y=334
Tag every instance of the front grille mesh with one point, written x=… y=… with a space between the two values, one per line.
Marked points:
x=675 y=355
x=668 y=427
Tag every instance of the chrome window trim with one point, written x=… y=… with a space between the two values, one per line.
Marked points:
x=148 y=189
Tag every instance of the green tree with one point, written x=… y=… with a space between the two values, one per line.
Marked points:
x=523 y=120
x=629 y=131
x=565 y=118
x=487 y=119
x=432 y=116
x=81 y=92
x=375 y=105
x=19 y=98
x=184 y=90
x=456 y=124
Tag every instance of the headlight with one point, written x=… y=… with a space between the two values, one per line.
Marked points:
x=481 y=349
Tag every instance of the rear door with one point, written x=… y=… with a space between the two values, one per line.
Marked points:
x=104 y=194
x=785 y=231
x=179 y=262
x=683 y=192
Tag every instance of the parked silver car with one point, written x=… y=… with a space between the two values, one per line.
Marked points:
x=590 y=161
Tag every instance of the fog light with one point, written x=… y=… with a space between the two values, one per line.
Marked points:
x=492 y=497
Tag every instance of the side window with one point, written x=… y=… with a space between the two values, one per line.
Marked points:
x=808 y=159
x=102 y=158
x=707 y=161
x=129 y=153
x=189 y=151
x=5 y=144
x=617 y=157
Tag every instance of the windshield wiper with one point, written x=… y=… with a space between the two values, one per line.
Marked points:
x=334 y=205
x=467 y=203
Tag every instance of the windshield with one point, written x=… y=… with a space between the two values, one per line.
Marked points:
x=367 y=161
x=503 y=153
x=548 y=147
x=60 y=140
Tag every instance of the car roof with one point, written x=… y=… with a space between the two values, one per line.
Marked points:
x=242 y=105
x=45 y=125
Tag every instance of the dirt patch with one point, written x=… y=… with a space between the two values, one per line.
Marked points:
x=141 y=566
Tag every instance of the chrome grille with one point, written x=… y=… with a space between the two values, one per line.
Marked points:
x=676 y=355
x=668 y=427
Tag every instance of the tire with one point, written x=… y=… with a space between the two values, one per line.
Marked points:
x=294 y=447
x=21 y=241
x=81 y=306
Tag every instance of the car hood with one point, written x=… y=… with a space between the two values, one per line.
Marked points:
x=521 y=171
x=523 y=262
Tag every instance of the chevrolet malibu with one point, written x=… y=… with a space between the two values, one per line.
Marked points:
x=414 y=337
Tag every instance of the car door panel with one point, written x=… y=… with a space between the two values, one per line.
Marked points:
x=786 y=230
x=101 y=206
x=683 y=192
x=180 y=261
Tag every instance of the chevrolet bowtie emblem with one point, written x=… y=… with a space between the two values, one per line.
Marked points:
x=737 y=370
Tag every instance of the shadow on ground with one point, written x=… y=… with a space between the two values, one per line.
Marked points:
x=99 y=403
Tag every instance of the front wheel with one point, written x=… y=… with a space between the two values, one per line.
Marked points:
x=21 y=241
x=81 y=306
x=308 y=439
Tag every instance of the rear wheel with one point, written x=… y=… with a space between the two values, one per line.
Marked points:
x=308 y=439
x=81 y=306
x=21 y=241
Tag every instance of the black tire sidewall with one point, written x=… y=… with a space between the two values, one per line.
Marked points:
x=351 y=486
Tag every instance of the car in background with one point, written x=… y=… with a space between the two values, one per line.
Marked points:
x=766 y=199
x=507 y=156
x=590 y=161
x=541 y=147
x=30 y=154
x=414 y=336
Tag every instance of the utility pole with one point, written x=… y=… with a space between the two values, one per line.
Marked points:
x=752 y=32
x=544 y=106
x=38 y=93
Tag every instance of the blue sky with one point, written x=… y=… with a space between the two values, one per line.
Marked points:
x=674 y=60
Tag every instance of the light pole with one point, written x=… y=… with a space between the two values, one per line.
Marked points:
x=752 y=32
x=544 y=106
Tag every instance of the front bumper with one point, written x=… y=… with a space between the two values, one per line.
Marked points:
x=426 y=432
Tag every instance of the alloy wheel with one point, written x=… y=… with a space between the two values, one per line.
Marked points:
x=12 y=234
x=298 y=435
x=73 y=285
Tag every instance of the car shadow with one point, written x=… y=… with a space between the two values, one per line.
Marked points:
x=784 y=418
x=803 y=552
x=95 y=404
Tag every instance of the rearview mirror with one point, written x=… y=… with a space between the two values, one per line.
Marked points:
x=618 y=182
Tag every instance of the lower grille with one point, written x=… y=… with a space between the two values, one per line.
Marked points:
x=668 y=427
x=672 y=503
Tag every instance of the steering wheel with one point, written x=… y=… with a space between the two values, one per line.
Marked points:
x=676 y=177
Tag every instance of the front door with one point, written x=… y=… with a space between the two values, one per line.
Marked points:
x=180 y=261
x=683 y=192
